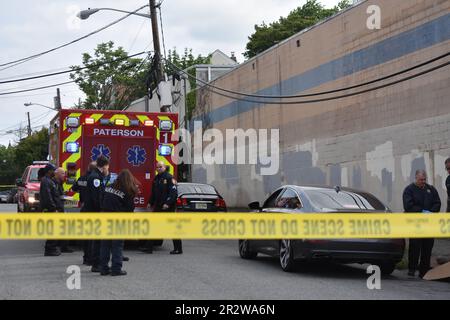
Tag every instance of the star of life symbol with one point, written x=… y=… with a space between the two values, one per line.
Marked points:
x=136 y=156
x=100 y=150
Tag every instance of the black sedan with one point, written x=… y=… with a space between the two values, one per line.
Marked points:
x=197 y=197
x=385 y=253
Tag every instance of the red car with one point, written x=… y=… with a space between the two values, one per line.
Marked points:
x=28 y=188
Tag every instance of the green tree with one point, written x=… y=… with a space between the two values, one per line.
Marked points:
x=111 y=80
x=266 y=36
x=8 y=167
x=33 y=148
x=184 y=62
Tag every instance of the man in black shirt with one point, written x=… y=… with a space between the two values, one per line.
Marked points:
x=447 y=183
x=49 y=202
x=58 y=179
x=94 y=195
x=81 y=187
x=420 y=197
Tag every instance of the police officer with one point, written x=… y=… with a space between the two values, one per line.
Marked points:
x=420 y=197
x=95 y=188
x=119 y=197
x=81 y=187
x=447 y=183
x=49 y=202
x=163 y=199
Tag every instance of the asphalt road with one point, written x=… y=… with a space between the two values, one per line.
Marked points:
x=206 y=270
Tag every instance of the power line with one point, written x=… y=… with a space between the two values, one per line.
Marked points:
x=72 y=70
x=331 y=98
x=311 y=94
x=38 y=88
x=38 y=94
x=53 y=85
x=37 y=118
x=26 y=59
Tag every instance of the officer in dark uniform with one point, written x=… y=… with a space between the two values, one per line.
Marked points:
x=119 y=197
x=447 y=183
x=164 y=199
x=49 y=202
x=94 y=195
x=81 y=187
x=420 y=197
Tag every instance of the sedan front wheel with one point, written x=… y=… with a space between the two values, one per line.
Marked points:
x=287 y=256
x=244 y=250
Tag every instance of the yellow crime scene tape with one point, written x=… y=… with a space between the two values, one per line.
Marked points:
x=129 y=226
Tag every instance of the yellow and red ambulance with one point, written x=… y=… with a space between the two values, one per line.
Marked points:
x=130 y=140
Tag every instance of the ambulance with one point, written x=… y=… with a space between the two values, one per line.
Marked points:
x=130 y=140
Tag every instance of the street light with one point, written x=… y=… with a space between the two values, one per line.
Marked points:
x=85 y=14
x=38 y=104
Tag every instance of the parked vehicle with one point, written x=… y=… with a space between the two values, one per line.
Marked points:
x=12 y=196
x=28 y=188
x=197 y=197
x=385 y=253
x=4 y=196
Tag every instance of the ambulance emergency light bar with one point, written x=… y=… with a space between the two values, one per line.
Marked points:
x=165 y=125
x=73 y=122
x=119 y=122
x=72 y=147
x=164 y=150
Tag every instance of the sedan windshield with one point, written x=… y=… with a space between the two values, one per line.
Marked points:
x=196 y=188
x=327 y=199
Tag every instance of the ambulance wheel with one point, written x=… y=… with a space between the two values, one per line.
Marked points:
x=158 y=243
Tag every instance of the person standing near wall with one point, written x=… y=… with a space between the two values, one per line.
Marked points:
x=447 y=183
x=420 y=197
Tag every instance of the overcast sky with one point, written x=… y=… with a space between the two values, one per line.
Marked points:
x=28 y=27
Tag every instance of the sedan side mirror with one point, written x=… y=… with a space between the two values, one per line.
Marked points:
x=254 y=206
x=19 y=182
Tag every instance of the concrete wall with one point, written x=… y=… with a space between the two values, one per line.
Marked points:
x=374 y=141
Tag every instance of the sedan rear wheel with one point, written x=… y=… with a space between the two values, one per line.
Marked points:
x=287 y=255
x=387 y=267
x=244 y=250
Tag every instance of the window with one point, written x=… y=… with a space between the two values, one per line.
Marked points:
x=34 y=175
x=270 y=202
x=289 y=200
x=326 y=199
x=196 y=188
x=25 y=175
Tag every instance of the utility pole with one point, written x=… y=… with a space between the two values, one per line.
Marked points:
x=29 y=124
x=57 y=100
x=156 y=45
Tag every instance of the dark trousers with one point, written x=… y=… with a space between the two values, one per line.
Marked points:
x=111 y=249
x=420 y=248
x=87 y=251
x=177 y=245
x=95 y=253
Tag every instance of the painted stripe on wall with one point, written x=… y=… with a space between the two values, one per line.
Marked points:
x=421 y=37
